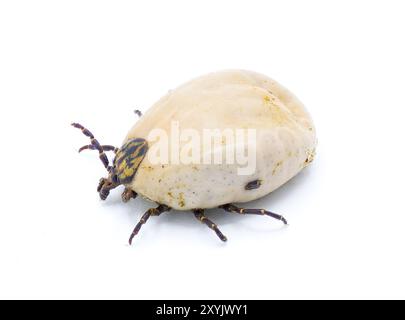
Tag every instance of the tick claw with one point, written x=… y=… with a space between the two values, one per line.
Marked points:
x=130 y=240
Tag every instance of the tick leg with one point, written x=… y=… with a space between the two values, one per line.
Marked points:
x=232 y=208
x=101 y=184
x=199 y=214
x=94 y=143
x=104 y=188
x=104 y=147
x=138 y=113
x=128 y=194
x=151 y=212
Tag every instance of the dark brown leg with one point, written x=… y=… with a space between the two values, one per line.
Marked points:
x=104 y=147
x=151 y=212
x=95 y=144
x=101 y=183
x=138 y=113
x=128 y=194
x=104 y=187
x=232 y=208
x=199 y=214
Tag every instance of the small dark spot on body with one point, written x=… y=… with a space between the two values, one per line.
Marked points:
x=253 y=184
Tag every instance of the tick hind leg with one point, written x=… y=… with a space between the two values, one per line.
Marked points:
x=199 y=214
x=151 y=212
x=234 y=209
x=95 y=145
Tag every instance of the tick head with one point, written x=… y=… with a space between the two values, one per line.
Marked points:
x=125 y=165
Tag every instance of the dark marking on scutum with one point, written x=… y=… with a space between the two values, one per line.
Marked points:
x=131 y=150
x=128 y=159
x=253 y=184
x=132 y=145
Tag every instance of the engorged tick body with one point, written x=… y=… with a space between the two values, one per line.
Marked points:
x=285 y=143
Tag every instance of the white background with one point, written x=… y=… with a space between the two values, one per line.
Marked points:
x=95 y=61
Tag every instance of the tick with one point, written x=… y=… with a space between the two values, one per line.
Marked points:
x=278 y=136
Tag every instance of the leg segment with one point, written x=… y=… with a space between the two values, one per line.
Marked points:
x=128 y=194
x=232 y=208
x=104 y=147
x=138 y=113
x=151 y=212
x=94 y=143
x=199 y=214
x=104 y=187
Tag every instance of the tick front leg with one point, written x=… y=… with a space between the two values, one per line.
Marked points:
x=232 y=208
x=151 y=212
x=94 y=143
x=104 y=147
x=199 y=214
